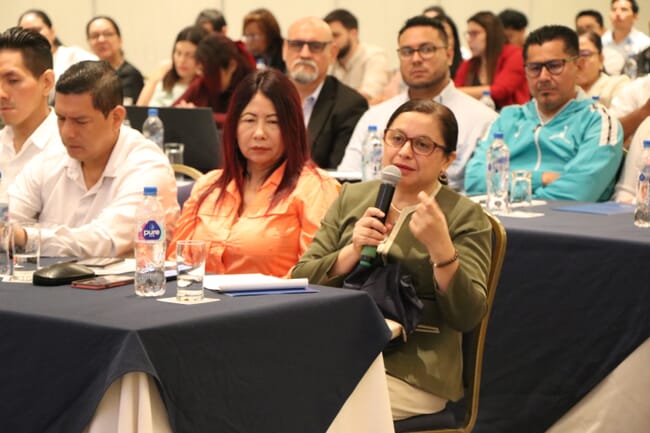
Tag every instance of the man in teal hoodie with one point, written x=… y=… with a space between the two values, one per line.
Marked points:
x=572 y=145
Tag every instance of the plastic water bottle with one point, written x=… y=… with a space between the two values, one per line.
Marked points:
x=487 y=100
x=153 y=128
x=642 y=211
x=497 y=176
x=373 y=149
x=150 y=245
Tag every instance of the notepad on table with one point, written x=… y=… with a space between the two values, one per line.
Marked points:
x=254 y=284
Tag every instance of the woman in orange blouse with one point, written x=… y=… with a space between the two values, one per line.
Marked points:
x=260 y=212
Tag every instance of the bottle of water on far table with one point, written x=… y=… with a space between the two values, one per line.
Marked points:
x=150 y=245
x=486 y=99
x=497 y=176
x=153 y=128
x=642 y=211
x=372 y=152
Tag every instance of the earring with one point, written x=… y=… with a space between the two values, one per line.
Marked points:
x=442 y=178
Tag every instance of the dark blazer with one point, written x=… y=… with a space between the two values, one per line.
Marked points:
x=336 y=112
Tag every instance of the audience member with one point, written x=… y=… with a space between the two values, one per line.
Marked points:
x=63 y=56
x=105 y=41
x=623 y=37
x=427 y=223
x=359 y=65
x=495 y=65
x=424 y=63
x=572 y=146
x=397 y=85
x=592 y=20
x=260 y=212
x=591 y=77
x=26 y=80
x=632 y=105
x=330 y=108
x=263 y=39
x=223 y=66
x=212 y=21
x=514 y=26
x=172 y=79
x=85 y=195
x=627 y=182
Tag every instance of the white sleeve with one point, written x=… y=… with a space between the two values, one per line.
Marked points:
x=626 y=186
x=352 y=158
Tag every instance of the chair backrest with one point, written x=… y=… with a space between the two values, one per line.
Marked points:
x=186 y=170
x=474 y=342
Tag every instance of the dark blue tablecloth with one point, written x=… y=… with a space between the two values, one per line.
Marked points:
x=277 y=363
x=572 y=303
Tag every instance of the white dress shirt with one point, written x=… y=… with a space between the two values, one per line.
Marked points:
x=607 y=87
x=474 y=120
x=81 y=222
x=626 y=187
x=631 y=97
x=12 y=163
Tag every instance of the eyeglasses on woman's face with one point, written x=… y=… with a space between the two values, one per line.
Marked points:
x=421 y=145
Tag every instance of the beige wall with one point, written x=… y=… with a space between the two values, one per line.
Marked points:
x=150 y=26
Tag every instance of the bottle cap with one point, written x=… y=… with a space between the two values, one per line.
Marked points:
x=150 y=190
x=595 y=98
x=372 y=127
x=152 y=112
x=486 y=92
x=646 y=144
x=498 y=135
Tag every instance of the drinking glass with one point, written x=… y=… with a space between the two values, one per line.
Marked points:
x=27 y=257
x=521 y=187
x=190 y=269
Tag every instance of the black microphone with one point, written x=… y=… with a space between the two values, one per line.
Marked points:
x=390 y=176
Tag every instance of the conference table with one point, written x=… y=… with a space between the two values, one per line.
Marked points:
x=273 y=363
x=572 y=305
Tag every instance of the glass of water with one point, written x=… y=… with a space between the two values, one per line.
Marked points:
x=27 y=252
x=521 y=188
x=190 y=269
x=174 y=152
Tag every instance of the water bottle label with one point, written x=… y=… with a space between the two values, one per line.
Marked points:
x=150 y=231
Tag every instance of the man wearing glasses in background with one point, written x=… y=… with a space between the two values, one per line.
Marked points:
x=572 y=146
x=330 y=107
x=425 y=58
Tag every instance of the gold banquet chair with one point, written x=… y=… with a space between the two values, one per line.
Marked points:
x=186 y=170
x=473 y=345
x=184 y=189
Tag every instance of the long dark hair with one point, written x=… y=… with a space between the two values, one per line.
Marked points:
x=192 y=34
x=495 y=39
x=274 y=85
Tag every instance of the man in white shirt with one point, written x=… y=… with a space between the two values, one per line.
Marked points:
x=361 y=66
x=623 y=37
x=425 y=57
x=85 y=196
x=26 y=79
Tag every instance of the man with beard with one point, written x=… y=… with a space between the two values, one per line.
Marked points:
x=571 y=145
x=425 y=57
x=331 y=108
x=361 y=66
